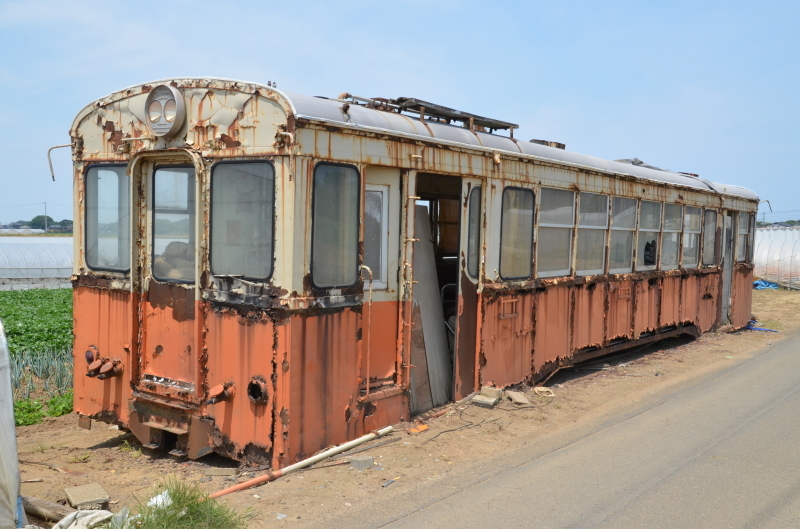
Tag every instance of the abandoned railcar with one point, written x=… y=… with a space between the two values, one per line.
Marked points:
x=262 y=274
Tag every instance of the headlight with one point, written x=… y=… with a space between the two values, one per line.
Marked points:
x=166 y=111
x=154 y=112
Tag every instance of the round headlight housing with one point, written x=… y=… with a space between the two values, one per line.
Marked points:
x=165 y=110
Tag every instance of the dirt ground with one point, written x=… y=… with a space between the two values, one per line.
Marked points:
x=464 y=436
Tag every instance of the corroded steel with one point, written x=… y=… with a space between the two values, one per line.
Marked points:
x=272 y=372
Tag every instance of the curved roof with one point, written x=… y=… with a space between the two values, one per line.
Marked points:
x=330 y=110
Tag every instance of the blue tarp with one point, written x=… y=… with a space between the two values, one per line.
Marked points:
x=760 y=284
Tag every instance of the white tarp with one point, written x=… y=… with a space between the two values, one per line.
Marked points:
x=9 y=465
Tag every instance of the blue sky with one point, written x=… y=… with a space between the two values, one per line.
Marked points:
x=709 y=88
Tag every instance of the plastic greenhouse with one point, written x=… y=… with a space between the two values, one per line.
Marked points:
x=777 y=256
x=35 y=262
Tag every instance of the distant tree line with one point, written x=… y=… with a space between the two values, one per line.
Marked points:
x=38 y=223
x=760 y=224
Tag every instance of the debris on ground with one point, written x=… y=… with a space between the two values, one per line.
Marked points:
x=362 y=462
x=91 y=496
x=517 y=397
x=418 y=429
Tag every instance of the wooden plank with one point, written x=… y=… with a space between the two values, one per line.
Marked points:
x=420 y=388
x=426 y=296
x=44 y=509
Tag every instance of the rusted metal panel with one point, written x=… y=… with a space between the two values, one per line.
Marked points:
x=322 y=367
x=690 y=289
x=589 y=318
x=620 y=305
x=646 y=303
x=467 y=329
x=383 y=338
x=240 y=352
x=170 y=338
x=708 y=291
x=103 y=328
x=742 y=295
x=506 y=332
x=553 y=325
x=670 y=301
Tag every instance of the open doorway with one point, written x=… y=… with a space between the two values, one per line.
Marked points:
x=436 y=272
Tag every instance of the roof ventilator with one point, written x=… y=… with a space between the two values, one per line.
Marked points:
x=431 y=112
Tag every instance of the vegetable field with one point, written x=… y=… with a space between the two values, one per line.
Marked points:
x=38 y=326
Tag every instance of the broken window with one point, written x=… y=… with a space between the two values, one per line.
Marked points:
x=742 y=238
x=710 y=238
x=623 y=226
x=173 y=223
x=376 y=232
x=592 y=226
x=691 y=236
x=671 y=240
x=556 y=222
x=242 y=218
x=474 y=233
x=108 y=217
x=649 y=231
x=334 y=246
x=516 y=233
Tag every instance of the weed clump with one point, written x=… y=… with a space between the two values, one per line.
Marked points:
x=186 y=506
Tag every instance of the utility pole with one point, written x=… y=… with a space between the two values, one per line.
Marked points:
x=45 y=217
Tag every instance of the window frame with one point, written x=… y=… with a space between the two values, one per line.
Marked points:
x=152 y=228
x=572 y=227
x=579 y=227
x=533 y=228
x=384 y=189
x=705 y=238
x=679 y=231
x=739 y=233
x=85 y=219
x=699 y=233
x=634 y=239
x=477 y=254
x=360 y=178
x=639 y=230
x=211 y=219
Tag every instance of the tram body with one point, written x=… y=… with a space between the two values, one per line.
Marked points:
x=246 y=281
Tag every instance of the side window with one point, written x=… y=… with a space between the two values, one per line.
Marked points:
x=474 y=233
x=623 y=227
x=516 y=233
x=649 y=228
x=376 y=232
x=710 y=238
x=671 y=240
x=742 y=236
x=556 y=222
x=334 y=235
x=174 y=224
x=752 y=240
x=691 y=236
x=592 y=226
x=108 y=219
x=242 y=218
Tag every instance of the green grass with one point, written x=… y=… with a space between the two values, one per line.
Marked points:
x=37 y=320
x=191 y=508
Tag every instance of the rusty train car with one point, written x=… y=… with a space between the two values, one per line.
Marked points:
x=262 y=274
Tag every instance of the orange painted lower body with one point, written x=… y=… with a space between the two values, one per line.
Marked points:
x=294 y=384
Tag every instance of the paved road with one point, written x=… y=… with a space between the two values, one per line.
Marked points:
x=723 y=451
